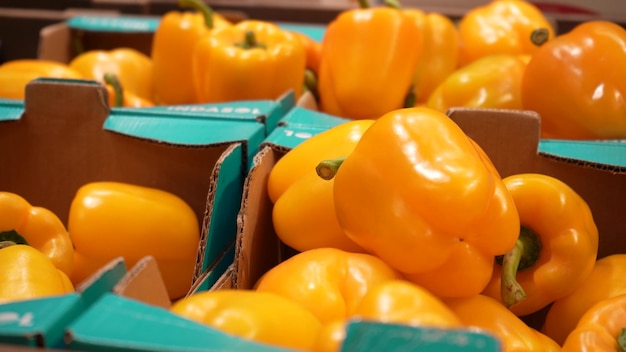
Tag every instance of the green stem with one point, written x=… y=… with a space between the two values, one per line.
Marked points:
x=310 y=83
x=12 y=236
x=621 y=340
x=409 y=99
x=5 y=244
x=111 y=79
x=250 y=42
x=364 y=4
x=539 y=36
x=393 y=3
x=524 y=254
x=327 y=169
x=200 y=6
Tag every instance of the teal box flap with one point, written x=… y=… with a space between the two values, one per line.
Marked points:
x=42 y=322
x=365 y=336
x=300 y=124
x=38 y=322
x=115 y=323
x=314 y=31
x=604 y=152
x=11 y=109
x=143 y=24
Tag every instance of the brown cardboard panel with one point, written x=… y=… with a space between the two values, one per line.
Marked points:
x=143 y=282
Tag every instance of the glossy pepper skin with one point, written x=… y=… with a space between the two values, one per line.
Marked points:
x=112 y=219
x=600 y=328
x=327 y=281
x=40 y=228
x=172 y=50
x=258 y=316
x=493 y=81
x=368 y=62
x=26 y=273
x=487 y=313
x=395 y=301
x=131 y=67
x=247 y=61
x=567 y=82
x=432 y=205
x=304 y=212
x=557 y=246
x=605 y=281
x=439 y=53
x=502 y=27
x=15 y=75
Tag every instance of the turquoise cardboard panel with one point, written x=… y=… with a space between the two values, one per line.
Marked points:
x=116 y=324
x=364 y=336
x=39 y=322
x=217 y=270
x=609 y=152
x=315 y=32
x=300 y=124
x=11 y=109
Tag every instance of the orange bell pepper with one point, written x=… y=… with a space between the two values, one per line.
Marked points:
x=502 y=27
x=601 y=328
x=439 y=53
x=431 y=205
x=557 y=246
x=132 y=68
x=172 y=50
x=487 y=313
x=247 y=61
x=23 y=223
x=605 y=281
x=568 y=83
x=327 y=281
x=395 y=301
x=493 y=81
x=15 y=75
x=26 y=273
x=304 y=212
x=119 y=97
x=258 y=316
x=368 y=62
x=110 y=219
x=313 y=50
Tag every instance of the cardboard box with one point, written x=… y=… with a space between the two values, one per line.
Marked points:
x=596 y=170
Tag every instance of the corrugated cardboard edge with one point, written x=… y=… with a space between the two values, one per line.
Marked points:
x=143 y=282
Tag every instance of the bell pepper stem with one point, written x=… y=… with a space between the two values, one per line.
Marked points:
x=364 y=4
x=111 y=79
x=621 y=340
x=327 y=169
x=409 y=99
x=12 y=236
x=200 y=6
x=524 y=254
x=250 y=42
x=539 y=36
x=310 y=83
x=5 y=244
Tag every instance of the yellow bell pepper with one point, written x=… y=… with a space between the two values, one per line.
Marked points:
x=557 y=246
x=258 y=316
x=327 y=281
x=172 y=50
x=439 y=53
x=15 y=75
x=110 y=219
x=601 y=328
x=368 y=62
x=394 y=301
x=605 y=281
x=132 y=68
x=493 y=81
x=247 y=61
x=514 y=27
x=432 y=205
x=23 y=223
x=119 y=97
x=487 y=313
x=304 y=213
x=26 y=273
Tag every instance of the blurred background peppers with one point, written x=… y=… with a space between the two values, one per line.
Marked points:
x=502 y=27
x=15 y=75
x=432 y=205
x=172 y=49
x=111 y=219
x=493 y=81
x=26 y=273
x=556 y=249
x=132 y=68
x=577 y=82
x=38 y=227
x=304 y=213
x=368 y=62
x=249 y=60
